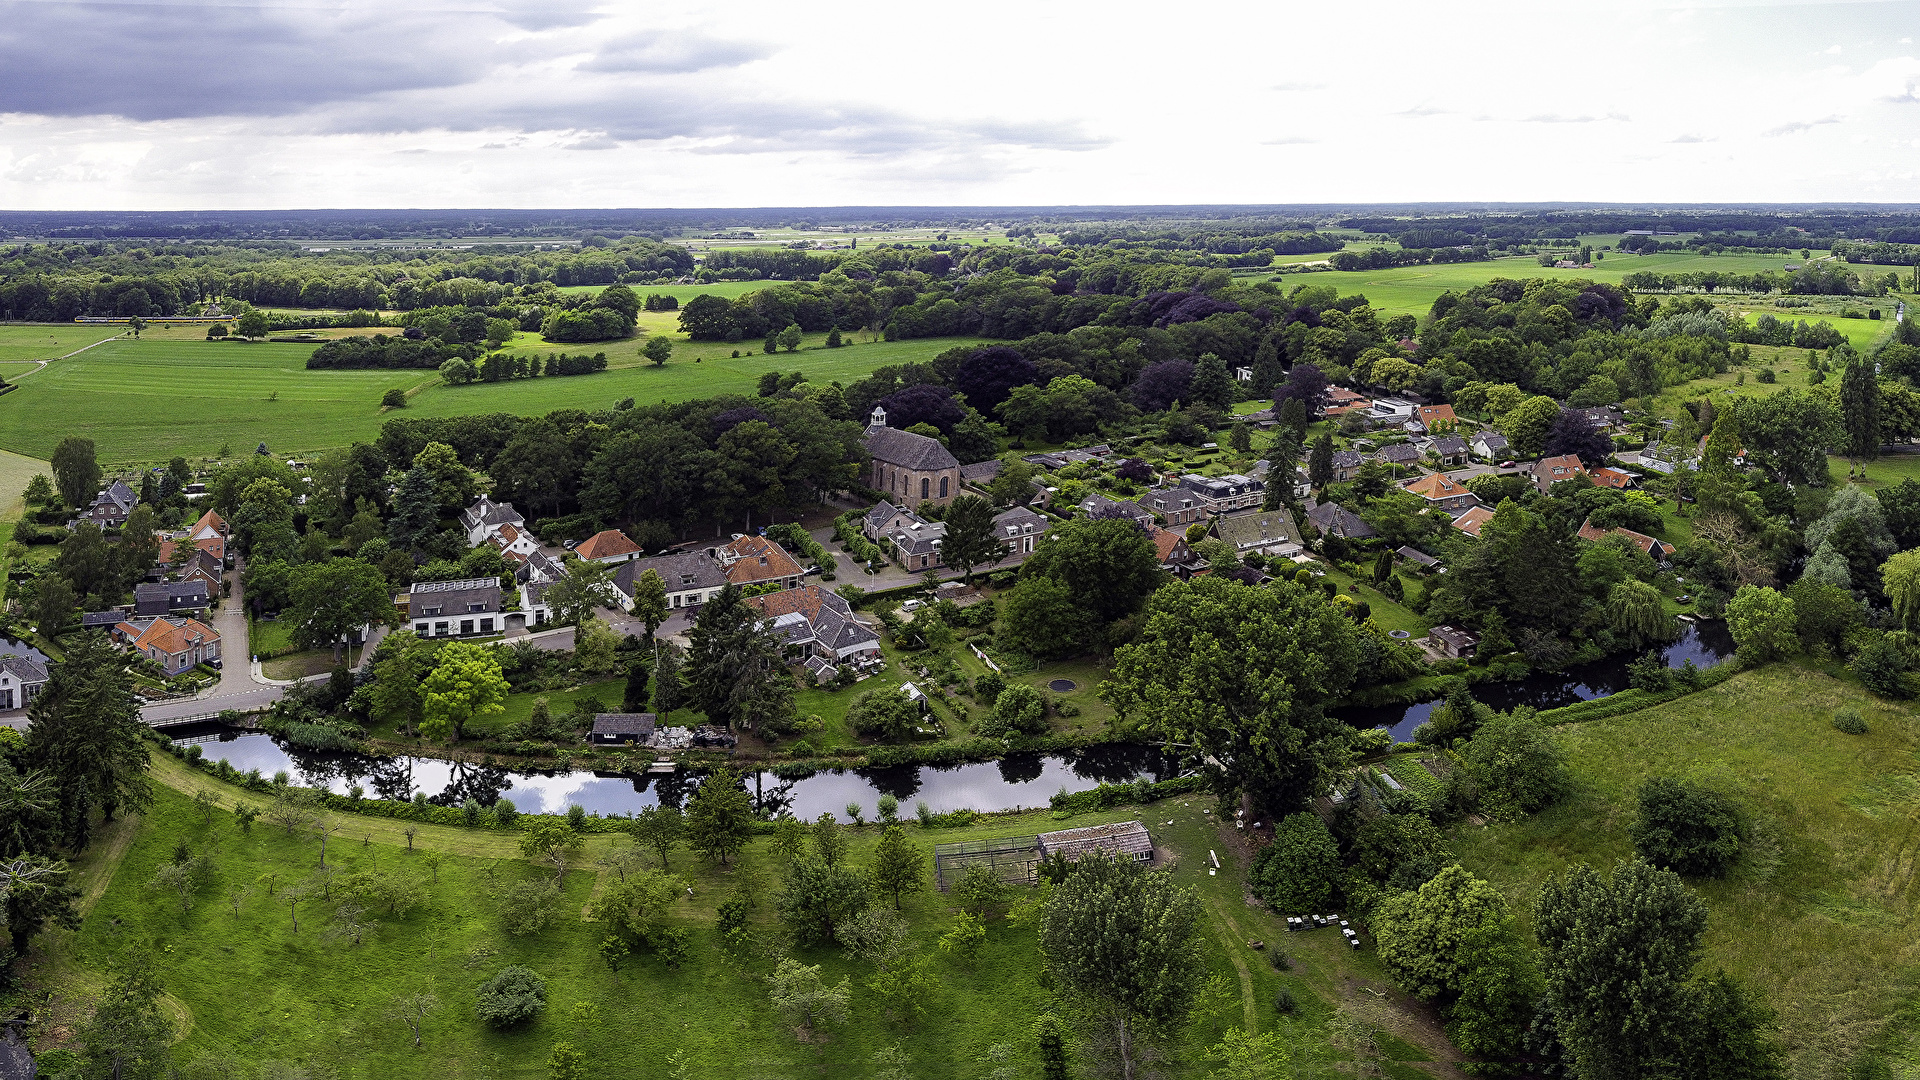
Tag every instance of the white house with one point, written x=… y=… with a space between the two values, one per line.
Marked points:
x=485 y=517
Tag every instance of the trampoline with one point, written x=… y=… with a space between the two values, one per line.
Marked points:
x=1398 y=635
x=1063 y=686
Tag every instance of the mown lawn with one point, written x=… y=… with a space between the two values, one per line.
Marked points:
x=250 y=987
x=44 y=341
x=1818 y=917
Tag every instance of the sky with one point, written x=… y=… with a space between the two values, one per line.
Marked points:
x=156 y=104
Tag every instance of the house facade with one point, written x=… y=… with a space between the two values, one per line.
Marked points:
x=909 y=467
x=176 y=644
x=609 y=546
x=1225 y=494
x=164 y=597
x=110 y=507
x=1175 y=506
x=1490 y=446
x=485 y=517
x=21 y=680
x=1549 y=471
x=459 y=608
x=1020 y=529
x=692 y=578
x=756 y=560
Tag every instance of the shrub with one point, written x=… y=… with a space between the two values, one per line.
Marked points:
x=511 y=997
x=988 y=686
x=1295 y=874
x=1022 y=708
x=1849 y=721
x=1517 y=763
x=1283 y=1002
x=1687 y=828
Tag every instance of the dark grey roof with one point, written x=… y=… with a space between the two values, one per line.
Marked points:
x=1493 y=440
x=1400 y=454
x=544 y=566
x=1450 y=444
x=485 y=511
x=102 y=618
x=623 y=723
x=881 y=512
x=982 y=470
x=923 y=540
x=23 y=669
x=455 y=597
x=1346 y=459
x=1096 y=502
x=837 y=631
x=119 y=494
x=1010 y=523
x=1415 y=555
x=908 y=450
x=172 y=593
x=1339 y=521
x=683 y=571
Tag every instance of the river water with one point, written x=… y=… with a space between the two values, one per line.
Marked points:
x=1018 y=780
x=1706 y=643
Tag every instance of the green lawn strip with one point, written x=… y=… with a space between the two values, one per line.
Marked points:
x=1815 y=917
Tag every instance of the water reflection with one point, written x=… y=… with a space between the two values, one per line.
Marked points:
x=1018 y=780
x=1704 y=643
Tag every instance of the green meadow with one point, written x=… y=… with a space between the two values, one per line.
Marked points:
x=176 y=393
x=308 y=997
x=1818 y=914
x=44 y=341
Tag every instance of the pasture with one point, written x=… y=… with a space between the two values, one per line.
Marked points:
x=1817 y=915
x=44 y=341
x=173 y=392
x=322 y=999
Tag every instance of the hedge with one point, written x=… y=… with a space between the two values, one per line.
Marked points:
x=1627 y=701
x=1107 y=796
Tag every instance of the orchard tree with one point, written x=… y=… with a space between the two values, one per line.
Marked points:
x=659 y=349
x=660 y=828
x=1243 y=675
x=899 y=866
x=719 y=817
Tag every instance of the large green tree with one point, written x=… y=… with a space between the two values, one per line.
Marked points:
x=331 y=599
x=970 y=539
x=465 y=683
x=1762 y=623
x=87 y=734
x=650 y=600
x=1108 y=564
x=1125 y=941
x=1860 y=406
x=1245 y=675
x=1428 y=938
x=76 y=472
x=128 y=1037
x=719 y=817
x=736 y=672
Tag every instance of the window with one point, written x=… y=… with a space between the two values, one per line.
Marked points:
x=440 y=629
x=472 y=606
x=486 y=626
x=419 y=628
x=943 y=487
x=429 y=611
x=466 y=626
x=925 y=484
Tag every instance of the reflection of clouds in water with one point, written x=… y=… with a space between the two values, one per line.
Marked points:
x=1024 y=780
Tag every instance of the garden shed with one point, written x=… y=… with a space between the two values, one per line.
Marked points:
x=1125 y=839
x=610 y=728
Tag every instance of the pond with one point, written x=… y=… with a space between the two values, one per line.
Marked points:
x=1706 y=643
x=1017 y=780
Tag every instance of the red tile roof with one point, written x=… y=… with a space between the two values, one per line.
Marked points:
x=1655 y=548
x=1164 y=541
x=606 y=544
x=1429 y=414
x=1471 y=521
x=1436 y=486
x=1612 y=478
x=172 y=638
x=756 y=559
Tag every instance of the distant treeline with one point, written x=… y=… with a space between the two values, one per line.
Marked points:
x=1817 y=279
x=499 y=367
x=381 y=351
x=1382 y=258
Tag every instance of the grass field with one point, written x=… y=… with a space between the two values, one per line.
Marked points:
x=44 y=341
x=1819 y=915
x=314 y=1000
x=172 y=392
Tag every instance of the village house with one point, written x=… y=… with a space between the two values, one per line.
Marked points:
x=1450 y=449
x=1225 y=494
x=1332 y=519
x=1272 y=533
x=1549 y=471
x=175 y=643
x=1430 y=415
x=1175 y=506
x=1442 y=492
x=513 y=543
x=609 y=546
x=166 y=597
x=692 y=578
x=1346 y=465
x=1020 y=529
x=1400 y=455
x=1471 y=521
x=1611 y=478
x=756 y=560
x=1417 y=557
x=814 y=622
x=21 y=680
x=910 y=467
x=455 y=608
x=1175 y=556
x=1489 y=445
x=1339 y=398
x=1658 y=549
x=203 y=567
x=485 y=517
x=1390 y=412
x=613 y=729
x=916 y=546
x=1098 y=505
x=110 y=507
x=981 y=474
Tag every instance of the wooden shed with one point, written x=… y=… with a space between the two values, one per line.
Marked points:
x=610 y=728
x=1128 y=839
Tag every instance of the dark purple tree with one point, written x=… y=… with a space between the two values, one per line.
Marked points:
x=987 y=377
x=1161 y=384
x=733 y=418
x=1136 y=470
x=924 y=403
x=1306 y=382
x=1116 y=512
x=1600 y=302
x=1573 y=433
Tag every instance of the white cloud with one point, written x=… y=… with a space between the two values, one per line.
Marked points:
x=179 y=103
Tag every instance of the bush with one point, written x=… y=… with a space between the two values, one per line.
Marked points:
x=1686 y=828
x=1022 y=708
x=1283 y=1002
x=1849 y=721
x=1295 y=874
x=511 y=997
x=988 y=686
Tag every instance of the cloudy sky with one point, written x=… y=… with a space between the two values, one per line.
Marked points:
x=155 y=104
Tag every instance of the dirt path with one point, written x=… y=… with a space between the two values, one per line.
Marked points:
x=110 y=846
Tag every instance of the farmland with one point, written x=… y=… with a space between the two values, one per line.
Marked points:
x=171 y=392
